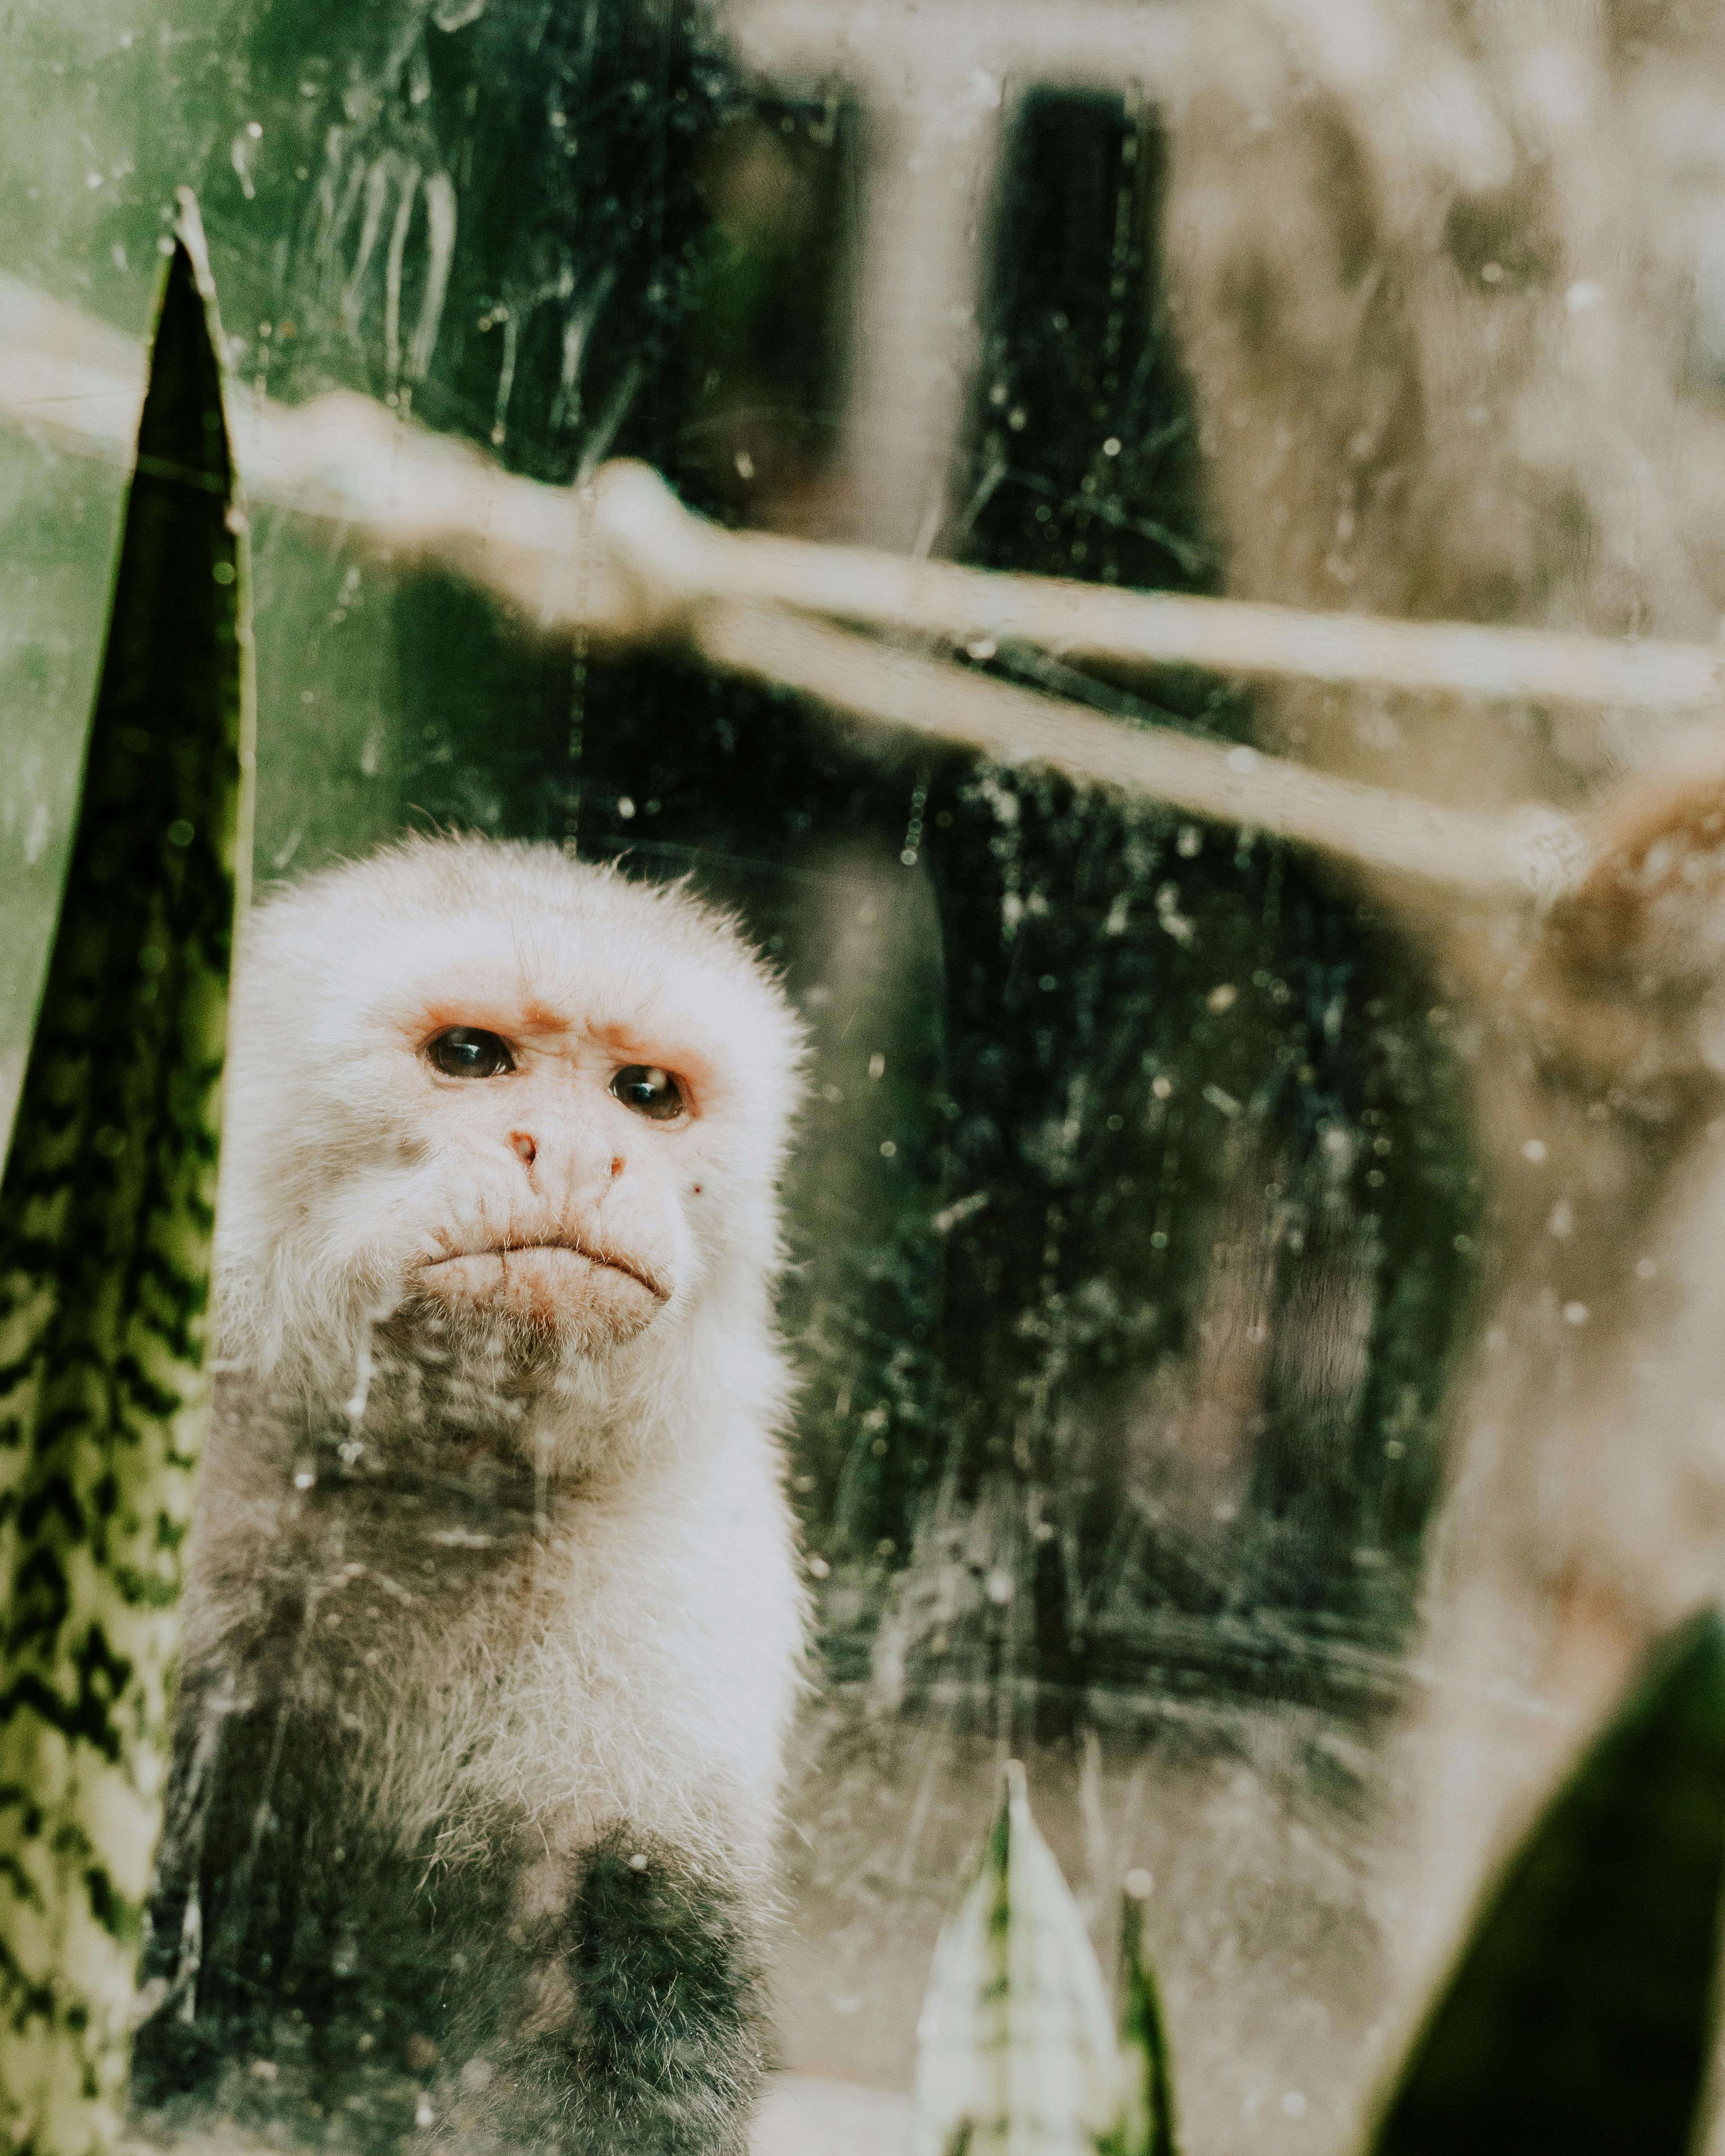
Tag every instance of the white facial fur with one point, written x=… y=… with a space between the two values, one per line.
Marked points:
x=531 y=1221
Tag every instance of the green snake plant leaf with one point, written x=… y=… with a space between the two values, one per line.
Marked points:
x=106 y=1218
x=1016 y=2048
x=1149 y=2128
x=1580 y=2017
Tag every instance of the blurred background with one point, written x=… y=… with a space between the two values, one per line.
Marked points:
x=1152 y=1204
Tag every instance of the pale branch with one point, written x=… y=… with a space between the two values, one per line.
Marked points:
x=1532 y=852
x=622 y=562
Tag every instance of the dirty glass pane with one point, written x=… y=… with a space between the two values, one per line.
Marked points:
x=1163 y=1190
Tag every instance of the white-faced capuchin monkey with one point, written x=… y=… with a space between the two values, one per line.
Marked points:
x=493 y=1625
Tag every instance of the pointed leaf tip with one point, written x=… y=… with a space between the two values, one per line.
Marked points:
x=188 y=237
x=1016 y=2044
x=182 y=431
x=1579 y=2016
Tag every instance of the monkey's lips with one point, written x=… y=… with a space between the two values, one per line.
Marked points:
x=558 y=1284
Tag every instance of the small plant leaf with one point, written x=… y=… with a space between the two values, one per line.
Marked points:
x=1017 y=2054
x=1143 y=2043
x=1580 y=2016
x=106 y=1219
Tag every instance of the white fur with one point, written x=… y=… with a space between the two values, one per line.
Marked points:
x=637 y=1656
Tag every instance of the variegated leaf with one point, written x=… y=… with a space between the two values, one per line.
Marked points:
x=105 y=1220
x=1017 y=2050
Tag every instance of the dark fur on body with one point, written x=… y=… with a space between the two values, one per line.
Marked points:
x=375 y=1982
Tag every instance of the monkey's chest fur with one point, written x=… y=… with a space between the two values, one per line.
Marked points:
x=360 y=1931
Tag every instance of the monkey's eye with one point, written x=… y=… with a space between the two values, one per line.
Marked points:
x=469 y=1051
x=650 y=1091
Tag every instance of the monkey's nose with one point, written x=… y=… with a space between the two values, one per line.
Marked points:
x=523 y=1146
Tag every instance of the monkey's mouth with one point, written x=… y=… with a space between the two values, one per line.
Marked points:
x=525 y=1246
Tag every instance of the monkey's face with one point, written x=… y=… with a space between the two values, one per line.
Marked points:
x=504 y=1106
x=567 y=1151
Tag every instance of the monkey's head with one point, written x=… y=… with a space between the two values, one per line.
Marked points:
x=503 y=1108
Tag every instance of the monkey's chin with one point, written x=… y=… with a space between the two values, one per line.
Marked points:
x=558 y=1295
